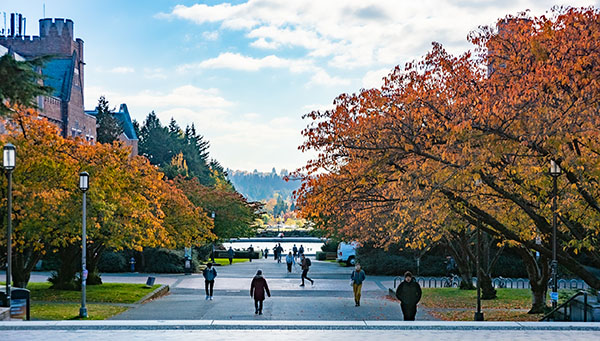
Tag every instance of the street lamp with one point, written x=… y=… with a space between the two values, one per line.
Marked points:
x=84 y=184
x=555 y=173
x=478 y=314
x=8 y=162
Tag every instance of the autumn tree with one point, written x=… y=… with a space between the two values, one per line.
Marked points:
x=131 y=205
x=234 y=216
x=469 y=138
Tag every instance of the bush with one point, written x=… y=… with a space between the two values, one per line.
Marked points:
x=510 y=266
x=321 y=255
x=388 y=263
x=163 y=261
x=112 y=262
x=330 y=246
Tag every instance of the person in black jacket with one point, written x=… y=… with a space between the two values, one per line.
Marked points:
x=409 y=294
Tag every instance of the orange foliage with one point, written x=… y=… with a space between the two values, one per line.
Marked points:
x=451 y=141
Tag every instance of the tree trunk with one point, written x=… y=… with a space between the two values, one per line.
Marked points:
x=23 y=264
x=539 y=274
x=487 y=288
x=458 y=244
x=92 y=265
x=64 y=278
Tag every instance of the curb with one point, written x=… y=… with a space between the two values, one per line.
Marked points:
x=296 y=325
x=157 y=293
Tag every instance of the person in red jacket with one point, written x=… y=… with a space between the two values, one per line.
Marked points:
x=258 y=287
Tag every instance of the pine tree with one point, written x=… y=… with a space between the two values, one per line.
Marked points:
x=108 y=127
x=19 y=82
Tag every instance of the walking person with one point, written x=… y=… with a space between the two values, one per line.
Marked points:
x=409 y=294
x=301 y=250
x=209 y=274
x=258 y=287
x=230 y=254
x=358 y=277
x=305 y=263
x=275 y=252
x=266 y=252
x=289 y=261
x=250 y=253
x=295 y=250
x=279 y=253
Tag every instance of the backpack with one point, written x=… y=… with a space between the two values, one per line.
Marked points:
x=308 y=263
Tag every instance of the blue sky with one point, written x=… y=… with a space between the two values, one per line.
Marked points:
x=244 y=72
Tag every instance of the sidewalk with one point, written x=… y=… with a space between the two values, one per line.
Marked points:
x=295 y=330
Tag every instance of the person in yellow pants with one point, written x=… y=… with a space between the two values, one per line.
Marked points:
x=358 y=277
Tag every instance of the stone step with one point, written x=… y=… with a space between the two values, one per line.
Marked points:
x=4 y=314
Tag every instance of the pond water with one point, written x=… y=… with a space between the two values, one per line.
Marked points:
x=310 y=247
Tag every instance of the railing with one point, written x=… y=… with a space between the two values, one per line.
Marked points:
x=497 y=282
x=567 y=316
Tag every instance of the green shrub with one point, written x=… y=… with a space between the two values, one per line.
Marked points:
x=321 y=255
x=163 y=260
x=112 y=262
x=330 y=246
x=510 y=266
x=387 y=263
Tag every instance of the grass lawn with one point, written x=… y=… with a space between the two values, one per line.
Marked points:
x=225 y=261
x=50 y=304
x=105 y=293
x=70 y=311
x=453 y=304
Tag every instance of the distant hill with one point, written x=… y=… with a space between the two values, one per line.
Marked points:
x=259 y=186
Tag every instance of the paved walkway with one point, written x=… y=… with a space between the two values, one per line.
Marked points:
x=295 y=330
x=329 y=298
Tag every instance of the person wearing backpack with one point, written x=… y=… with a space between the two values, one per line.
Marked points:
x=358 y=277
x=209 y=274
x=305 y=263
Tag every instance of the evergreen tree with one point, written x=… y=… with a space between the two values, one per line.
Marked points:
x=162 y=144
x=108 y=127
x=19 y=82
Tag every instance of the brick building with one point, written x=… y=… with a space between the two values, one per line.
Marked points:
x=63 y=72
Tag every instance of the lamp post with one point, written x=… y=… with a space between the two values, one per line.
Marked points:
x=555 y=173
x=478 y=314
x=8 y=162
x=83 y=186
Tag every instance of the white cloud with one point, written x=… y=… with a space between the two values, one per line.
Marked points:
x=238 y=141
x=210 y=35
x=187 y=96
x=122 y=69
x=358 y=33
x=236 y=61
x=374 y=78
x=154 y=73
x=323 y=78
x=316 y=107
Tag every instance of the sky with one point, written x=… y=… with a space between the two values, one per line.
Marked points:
x=244 y=72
